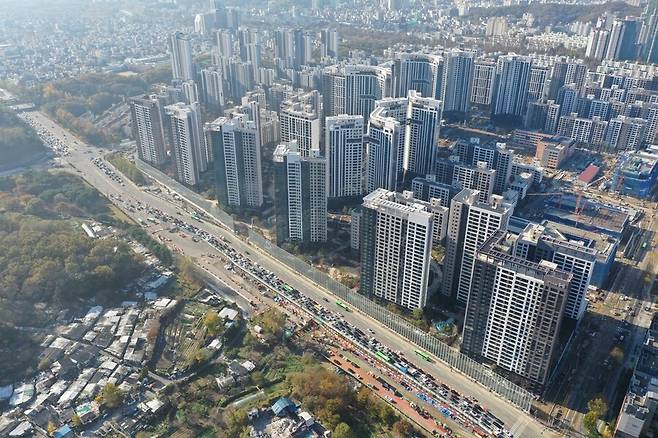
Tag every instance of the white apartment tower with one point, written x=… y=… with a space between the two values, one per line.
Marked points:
x=188 y=144
x=538 y=242
x=396 y=244
x=300 y=194
x=299 y=120
x=236 y=142
x=180 y=49
x=344 y=152
x=484 y=79
x=470 y=224
x=354 y=89
x=457 y=78
x=419 y=72
x=421 y=133
x=148 y=129
x=512 y=82
x=515 y=311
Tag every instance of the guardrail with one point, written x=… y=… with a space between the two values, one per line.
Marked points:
x=476 y=371
x=191 y=196
x=508 y=390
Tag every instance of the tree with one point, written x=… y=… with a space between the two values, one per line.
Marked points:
x=417 y=314
x=51 y=428
x=75 y=419
x=386 y=414
x=596 y=408
x=236 y=421
x=110 y=396
x=343 y=430
x=617 y=354
x=402 y=429
x=257 y=378
x=212 y=322
x=272 y=321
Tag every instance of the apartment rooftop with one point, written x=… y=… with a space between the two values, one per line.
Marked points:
x=498 y=249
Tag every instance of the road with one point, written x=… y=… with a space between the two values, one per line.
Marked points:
x=626 y=311
x=79 y=160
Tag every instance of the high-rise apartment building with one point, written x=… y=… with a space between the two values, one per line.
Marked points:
x=300 y=185
x=236 y=144
x=423 y=121
x=419 y=72
x=300 y=120
x=344 y=152
x=457 y=78
x=428 y=187
x=484 y=80
x=511 y=90
x=224 y=43
x=470 y=224
x=188 y=144
x=396 y=244
x=538 y=242
x=329 y=43
x=384 y=144
x=514 y=311
x=180 y=49
x=354 y=89
x=212 y=88
x=148 y=129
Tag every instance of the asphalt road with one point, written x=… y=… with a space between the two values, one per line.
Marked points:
x=79 y=161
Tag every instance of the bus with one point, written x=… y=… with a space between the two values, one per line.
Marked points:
x=287 y=289
x=342 y=305
x=423 y=355
x=196 y=217
x=382 y=356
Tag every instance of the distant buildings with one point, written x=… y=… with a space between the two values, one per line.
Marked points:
x=300 y=185
x=329 y=43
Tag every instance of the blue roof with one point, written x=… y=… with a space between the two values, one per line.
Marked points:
x=281 y=405
x=62 y=432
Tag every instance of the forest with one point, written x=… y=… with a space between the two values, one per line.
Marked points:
x=48 y=263
x=19 y=144
x=76 y=103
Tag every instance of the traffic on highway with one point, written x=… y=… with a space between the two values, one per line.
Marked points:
x=460 y=408
x=467 y=410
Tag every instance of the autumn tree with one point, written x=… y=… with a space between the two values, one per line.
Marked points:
x=343 y=430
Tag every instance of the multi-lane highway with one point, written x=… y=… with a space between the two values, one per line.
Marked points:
x=79 y=158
